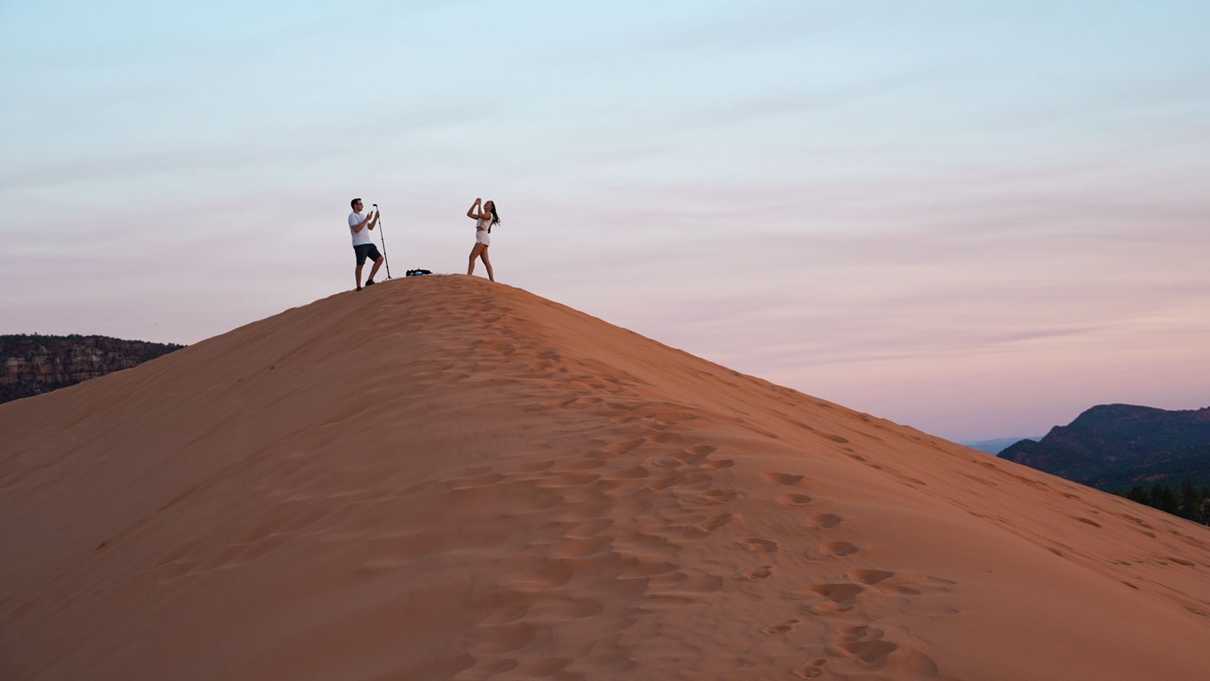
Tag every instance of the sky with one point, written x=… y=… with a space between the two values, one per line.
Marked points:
x=975 y=218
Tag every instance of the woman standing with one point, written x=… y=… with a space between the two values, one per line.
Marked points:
x=485 y=216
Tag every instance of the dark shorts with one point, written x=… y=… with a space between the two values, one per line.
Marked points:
x=364 y=251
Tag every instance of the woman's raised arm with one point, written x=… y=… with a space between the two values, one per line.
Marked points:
x=471 y=212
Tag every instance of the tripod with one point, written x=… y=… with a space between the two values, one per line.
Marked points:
x=382 y=235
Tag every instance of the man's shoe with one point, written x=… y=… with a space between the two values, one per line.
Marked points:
x=370 y=282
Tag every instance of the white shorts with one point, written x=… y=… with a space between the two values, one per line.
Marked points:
x=484 y=237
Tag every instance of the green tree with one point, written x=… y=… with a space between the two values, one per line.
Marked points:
x=1163 y=498
x=1139 y=493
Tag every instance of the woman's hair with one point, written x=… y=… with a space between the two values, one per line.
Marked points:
x=495 y=215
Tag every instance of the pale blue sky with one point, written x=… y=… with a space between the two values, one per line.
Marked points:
x=973 y=217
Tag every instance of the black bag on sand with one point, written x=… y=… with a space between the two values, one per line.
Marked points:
x=417 y=273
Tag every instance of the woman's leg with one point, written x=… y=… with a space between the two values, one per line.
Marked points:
x=487 y=263
x=470 y=266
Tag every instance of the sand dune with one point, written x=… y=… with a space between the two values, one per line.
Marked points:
x=444 y=479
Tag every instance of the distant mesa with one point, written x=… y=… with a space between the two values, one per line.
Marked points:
x=1115 y=446
x=33 y=364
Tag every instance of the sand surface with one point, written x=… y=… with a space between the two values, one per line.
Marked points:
x=440 y=478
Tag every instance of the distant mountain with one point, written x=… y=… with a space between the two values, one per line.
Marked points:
x=994 y=446
x=35 y=364
x=1115 y=446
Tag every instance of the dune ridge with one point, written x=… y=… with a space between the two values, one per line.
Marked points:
x=439 y=478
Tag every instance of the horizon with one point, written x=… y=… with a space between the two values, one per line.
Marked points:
x=975 y=221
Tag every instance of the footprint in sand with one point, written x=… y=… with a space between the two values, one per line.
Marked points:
x=889 y=582
x=762 y=572
x=840 y=548
x=783 y=628
x=794 y=500
x=827 y=520
x=791 y=479
x=837 y=597
x=841 y=593
x=669 y=481
x=866 y=644
x=666 y=461
x=870 y=648
x=719 y=521
x=872 y=577
x=813 y=670
x=719 y=496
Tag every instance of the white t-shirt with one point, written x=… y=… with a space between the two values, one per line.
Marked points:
x=362 y=237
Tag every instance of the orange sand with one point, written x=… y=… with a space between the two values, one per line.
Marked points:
x=440 y=478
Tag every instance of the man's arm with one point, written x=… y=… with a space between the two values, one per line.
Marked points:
x=361 y=225
x=373 y=222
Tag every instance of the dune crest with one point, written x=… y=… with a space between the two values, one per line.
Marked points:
x=440 y=478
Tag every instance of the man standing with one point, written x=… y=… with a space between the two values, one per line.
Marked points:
x=363 y=245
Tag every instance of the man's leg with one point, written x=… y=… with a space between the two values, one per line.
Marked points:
x=374 y=269
x=358 y=277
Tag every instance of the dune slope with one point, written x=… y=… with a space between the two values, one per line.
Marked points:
x=445 y=479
